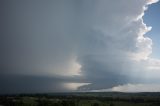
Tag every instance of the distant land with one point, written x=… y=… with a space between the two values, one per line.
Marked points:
x=82 y=99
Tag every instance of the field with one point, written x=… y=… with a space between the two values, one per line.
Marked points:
x=82 y=99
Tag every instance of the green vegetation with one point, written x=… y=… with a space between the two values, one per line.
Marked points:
x=82 y=99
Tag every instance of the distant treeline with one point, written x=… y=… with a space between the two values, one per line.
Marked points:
x=82 y=99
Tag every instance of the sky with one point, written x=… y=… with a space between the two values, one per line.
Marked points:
x=79 y=45
x=150 y=18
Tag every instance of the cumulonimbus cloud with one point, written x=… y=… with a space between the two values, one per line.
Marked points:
x=100 y=42
x=120 y=49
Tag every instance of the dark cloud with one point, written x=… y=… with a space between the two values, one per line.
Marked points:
x=35 y=84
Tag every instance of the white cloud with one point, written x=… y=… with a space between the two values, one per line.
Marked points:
x=133 y=88
x=124 y=48
x=152 y=1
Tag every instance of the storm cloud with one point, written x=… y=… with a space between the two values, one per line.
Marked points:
x=84 y=44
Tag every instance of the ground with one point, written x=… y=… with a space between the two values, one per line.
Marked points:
x=82 y=99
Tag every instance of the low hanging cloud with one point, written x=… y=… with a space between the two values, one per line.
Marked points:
x=88 y=45
x=132 y=88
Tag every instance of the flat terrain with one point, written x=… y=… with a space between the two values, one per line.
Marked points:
x=82 y=99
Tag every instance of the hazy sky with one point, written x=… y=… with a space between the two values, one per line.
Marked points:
x=78 y=45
